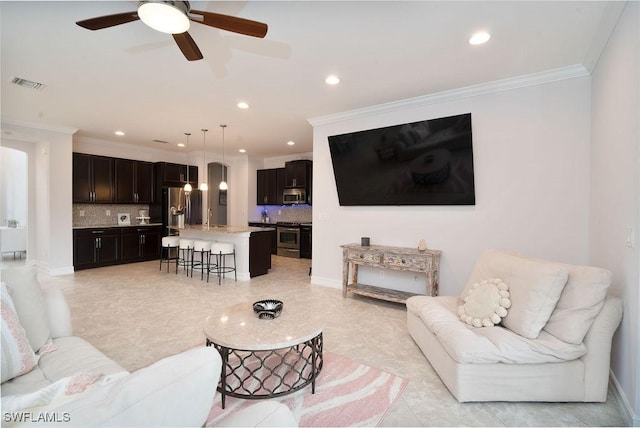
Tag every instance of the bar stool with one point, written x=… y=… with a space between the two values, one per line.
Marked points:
x=203 y=248
x=220 y=250
x=169 y=244
x=185 y=254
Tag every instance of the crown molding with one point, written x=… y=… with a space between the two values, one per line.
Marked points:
x=104 y=147
x=6 y=121
x=571 y=72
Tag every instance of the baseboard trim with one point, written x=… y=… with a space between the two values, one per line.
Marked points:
x=326 y=282
x=61 y=271
x=630 y=419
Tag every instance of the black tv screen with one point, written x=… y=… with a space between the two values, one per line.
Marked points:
x=421 y=163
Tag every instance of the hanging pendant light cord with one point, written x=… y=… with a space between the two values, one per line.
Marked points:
x=203 y=185
x=224 y=178
x=223 y=183
x=187 y=134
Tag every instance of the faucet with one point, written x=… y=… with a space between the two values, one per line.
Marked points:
x=209 y=214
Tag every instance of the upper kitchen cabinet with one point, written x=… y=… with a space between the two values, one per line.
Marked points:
x=174 y=174
x=134 y=181
x=298 y=174
x=93 y=179
x=270 y=186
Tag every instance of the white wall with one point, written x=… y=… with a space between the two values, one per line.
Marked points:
x=531 y=161
x=615 y=187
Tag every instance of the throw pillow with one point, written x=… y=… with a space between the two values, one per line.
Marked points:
x=579 y=304
x=17 y=356
x=486 y=303
x=29 y=302
x=534 y=285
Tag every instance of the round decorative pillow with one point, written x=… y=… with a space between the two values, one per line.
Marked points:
x=486 y=303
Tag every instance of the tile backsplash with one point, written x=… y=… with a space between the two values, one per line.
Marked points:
x=96 y=215
x=292 y=213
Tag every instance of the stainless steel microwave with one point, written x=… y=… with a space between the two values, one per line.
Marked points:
x=294 y=196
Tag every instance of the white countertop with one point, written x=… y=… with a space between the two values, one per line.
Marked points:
x=219 y=228
x=104 y=226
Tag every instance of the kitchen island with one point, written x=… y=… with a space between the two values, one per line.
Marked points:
x=252 y=244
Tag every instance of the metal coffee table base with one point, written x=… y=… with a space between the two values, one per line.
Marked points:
x=272 y=373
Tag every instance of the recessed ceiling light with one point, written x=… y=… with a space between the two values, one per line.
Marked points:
x=119 y=133
x=479 y=38
x=242 y=151
x=332 y=79
x=180 y=144
x=243 y=105
x=291 y=143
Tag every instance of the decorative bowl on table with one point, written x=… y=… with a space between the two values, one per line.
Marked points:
x=267 y=309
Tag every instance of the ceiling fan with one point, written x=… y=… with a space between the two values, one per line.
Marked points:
x=174 y=17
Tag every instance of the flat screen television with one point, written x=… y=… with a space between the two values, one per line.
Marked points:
x=421 y=163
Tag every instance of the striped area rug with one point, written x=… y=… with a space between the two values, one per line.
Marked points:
x=347 y=394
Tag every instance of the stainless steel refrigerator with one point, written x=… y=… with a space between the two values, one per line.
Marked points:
x=177 y=209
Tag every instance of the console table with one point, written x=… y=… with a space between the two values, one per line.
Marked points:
x=426 y=262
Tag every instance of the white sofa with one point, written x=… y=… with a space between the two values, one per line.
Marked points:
x=553 y=345
x=74 y=383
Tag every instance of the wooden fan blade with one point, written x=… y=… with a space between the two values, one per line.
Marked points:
x=108 y=20
x=232 y=23
x=188 y=46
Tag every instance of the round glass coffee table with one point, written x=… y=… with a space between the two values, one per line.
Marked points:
x=265 y=358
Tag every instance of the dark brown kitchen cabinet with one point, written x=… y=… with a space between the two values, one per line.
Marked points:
x=95 y=247
x=273 y=234
x=259 y=253
x=305 y=242
x=93 y=179
x=134 y=181
x=280 y=181
x=140 y=243
x=270 y=186
x=297 y=173
x=175 y=175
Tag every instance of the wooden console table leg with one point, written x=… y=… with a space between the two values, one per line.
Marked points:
x=345 y=274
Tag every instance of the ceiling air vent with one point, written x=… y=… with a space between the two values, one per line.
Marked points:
x=160 y=141
x=29 y=84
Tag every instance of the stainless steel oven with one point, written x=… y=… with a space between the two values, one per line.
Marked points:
x=288 y=239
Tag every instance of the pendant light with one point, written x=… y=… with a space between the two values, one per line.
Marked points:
x=203 y=185
x=187 y=186
x=223 y=183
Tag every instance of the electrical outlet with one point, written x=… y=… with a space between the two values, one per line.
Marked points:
x=108 y=212
x=631 y=237
x=81 y=213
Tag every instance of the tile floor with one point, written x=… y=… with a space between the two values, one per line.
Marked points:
x=136 y=315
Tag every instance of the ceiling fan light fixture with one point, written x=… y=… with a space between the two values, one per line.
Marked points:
x=165 y=16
